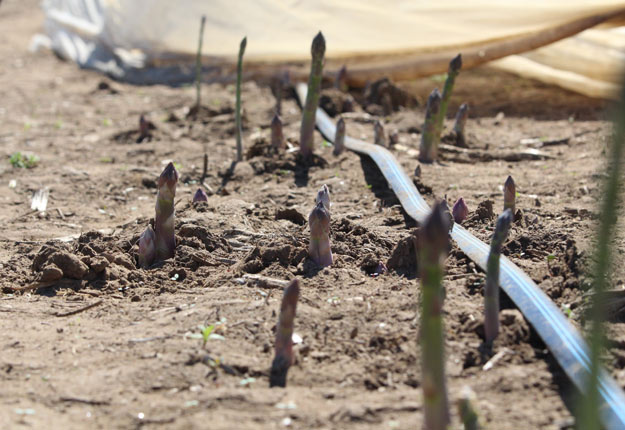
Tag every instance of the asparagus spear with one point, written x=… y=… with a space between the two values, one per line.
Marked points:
x=164 y=220
x=323 y=196
x=491 y=289
x=198 y=65
x=319 y=249
x=339 y=81
x=460 y=211
x=284 y=336
x=200 y=196
x=147 y=250
x=277 y=136
x=461 y=120
x=318 y=50
x=509 y=195
x=339 y=137
x=454 y=68
x=378 y=132
x=237 y=117
x=430 y=137
x=466 y=410
x=434 y=241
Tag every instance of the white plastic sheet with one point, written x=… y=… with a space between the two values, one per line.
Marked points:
x=152 y=40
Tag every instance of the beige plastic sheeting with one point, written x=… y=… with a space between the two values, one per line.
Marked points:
x=401 y=39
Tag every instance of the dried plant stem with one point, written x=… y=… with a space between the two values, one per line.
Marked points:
x=198 y=64
x=237 y=117
x=312 y=97
x=434 y=242
x=284 y=336
x=491 y=289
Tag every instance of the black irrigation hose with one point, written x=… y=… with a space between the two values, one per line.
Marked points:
x=562 y=339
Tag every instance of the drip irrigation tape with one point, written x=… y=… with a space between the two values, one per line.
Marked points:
x=562 y=339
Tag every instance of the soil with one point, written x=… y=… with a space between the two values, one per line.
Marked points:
x=91 y=341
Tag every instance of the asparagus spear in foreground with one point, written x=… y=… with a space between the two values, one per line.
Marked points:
x=323 y=195
x=460 y=211
x=434 y=242
x=466 y=410
x=277 y=136
x=491 y=289
x=319 y=249
x=430 y=137
x=200 y=196
x=339 y=137
x=147 y=249
x=237 y=114
x=509 y=195
x=164 y=220
x=317 y=50
x=284 y=336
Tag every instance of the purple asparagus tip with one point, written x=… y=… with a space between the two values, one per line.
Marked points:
x=320 y=249
x=200 y=196
x=284 y=336
x=460 y=211
x=147 y=248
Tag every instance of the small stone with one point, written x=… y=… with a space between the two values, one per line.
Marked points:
x=99 y=263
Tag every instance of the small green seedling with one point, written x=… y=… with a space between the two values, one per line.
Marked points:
x=23 y=160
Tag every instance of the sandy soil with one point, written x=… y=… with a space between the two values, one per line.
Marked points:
x=134 y=360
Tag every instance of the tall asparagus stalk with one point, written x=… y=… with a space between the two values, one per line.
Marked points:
x=284 y=336
x=306 y=142
x=454 y=68
x=434 y=241
x=588 y=416
x=164 y=219
x=491 y=289
x=430 y=137
x=237 y=117
x=198 y=65
x=339 y=137
x=509 y=195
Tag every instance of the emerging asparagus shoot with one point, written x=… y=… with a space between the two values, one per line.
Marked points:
x=200 y=196
x=147 y=250
x=323 y=196
x=339 y=81
x=237 y=117
x=430 y=137
x=318 y=50
x=277 y=136
x=320 y=250
x=434 y=241
x=378 y=133
x=460 y=211
x=461 y=120
x=284 y=336
x=509 y=195
x=454 y=68
x=164 y=219
x=339 y=137
x=491 y=289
